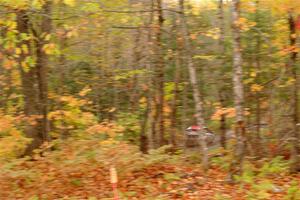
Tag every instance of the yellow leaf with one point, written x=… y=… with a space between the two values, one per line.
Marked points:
x=112 y=110
x=241 y=20
x=25 y=49
x=18 y=51
x=124 y=20
x=49 y=48
x=12 y=25
x=69 y=34
x=69 y=2
x=290 y=81
x=143 y=100
x=84 y=91
x=253 y=74
x=256 y=88
x=25 y=66
x=228 y=112
x=48 y=37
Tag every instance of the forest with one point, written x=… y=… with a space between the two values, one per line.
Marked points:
x=149 y=99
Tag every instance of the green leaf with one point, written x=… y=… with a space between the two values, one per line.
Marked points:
x=204 y=57
x=170 y=177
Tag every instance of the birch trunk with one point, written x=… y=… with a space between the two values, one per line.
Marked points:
x=195 y=86
x=237 y=163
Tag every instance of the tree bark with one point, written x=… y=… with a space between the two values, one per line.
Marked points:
x=42 y=69
x=29 y=90
x=237 y=163
x=178 y=63
x=174 y=100
x=134 y=95
x=160 y=71
x=295 y=160
x=221 y=76
x=195 y=87
x=257 y=146
x=144 y=142
x=144 y=139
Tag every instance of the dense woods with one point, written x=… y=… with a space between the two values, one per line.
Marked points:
x=200 y=88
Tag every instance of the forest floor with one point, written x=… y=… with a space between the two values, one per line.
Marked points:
x=81 y=171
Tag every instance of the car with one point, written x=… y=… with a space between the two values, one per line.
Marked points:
x=193 y=135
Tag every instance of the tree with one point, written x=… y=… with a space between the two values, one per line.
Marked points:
x=34 y=77
x=221 y=76
x=28 y=77
x=41 y=67
x=295 y=151
x=144 y=140
x=240 y=131
x=160 y=102
x=194 y=83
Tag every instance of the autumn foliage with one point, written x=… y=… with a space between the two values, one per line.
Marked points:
x=90 y=86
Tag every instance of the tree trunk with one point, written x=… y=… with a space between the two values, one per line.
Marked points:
x=237 y=163
x=29 y=90
x=195 y=87
x=134 y=94
x=145 y=141
x=295 y=160
x=174 y=100
x=221 y=76
x=160 y=71
x=42 y=70
x=177 y=77
x=257 y=146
